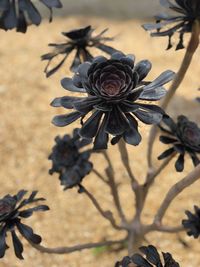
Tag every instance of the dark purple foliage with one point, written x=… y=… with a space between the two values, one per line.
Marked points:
x=19 y=14
x=184 y=137
x=12 y=211
x=198 y=98
x=167 y=25
x=67 y=159
x=151 y=259
x=192 y=223
x=81 y=41
x=113 y=91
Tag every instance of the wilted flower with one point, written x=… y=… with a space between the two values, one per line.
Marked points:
x=20 y=13
x=80 y=40
x=67 y=159
x=192 y=224
x=184 y=138
x=11 y=212
x=113 y=88
x=187 y=12
x=151 y=259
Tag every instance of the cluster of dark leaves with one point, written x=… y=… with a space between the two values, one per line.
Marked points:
x=192 y=223
x=114 y=89
x=81 y=41
x=151 y=258
x=184 y=137
x=198 y=98
x=69 y=160
x=167 y=25
x=12 y=211
x=18 y=14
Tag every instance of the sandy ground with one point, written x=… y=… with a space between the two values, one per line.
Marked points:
x=26 y=138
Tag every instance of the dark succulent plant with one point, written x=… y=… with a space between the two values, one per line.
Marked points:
x=125 y=262
x=20 y=13
x=67 y=159
x=113 y=88
x=12 y=211
x=151 y=259
x=184 y=137
x=192 y=223
x=167 y=25
x=81 y=40
x=198 y=98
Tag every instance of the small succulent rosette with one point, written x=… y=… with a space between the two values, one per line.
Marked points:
x=69 y=159
x=181 y=20
x=81 y=41
x=12 y=211
x=183 y=138
x=192 y=223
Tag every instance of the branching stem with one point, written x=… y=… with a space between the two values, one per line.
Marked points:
x=152 y=174
x=101 y=177
x=66 y=250
x=106 y=214
x=163 y=228
x=113 y=187
x=125 y=159
x=175 y=191
x=142 y=190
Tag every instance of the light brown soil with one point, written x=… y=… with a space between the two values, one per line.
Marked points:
x=26 y=138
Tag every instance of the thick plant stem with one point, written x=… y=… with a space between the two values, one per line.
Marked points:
x=175 y=191
x=192 y=47
x=130 y=242
x=134 y=242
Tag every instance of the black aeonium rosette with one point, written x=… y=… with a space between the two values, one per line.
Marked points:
x=12 y=211
x=167 y=25
x=151 y=259
x=20 y=13
x=184 y=137
x=113 y=89
x=81 y=41
x=69 y=160
x=192 y=223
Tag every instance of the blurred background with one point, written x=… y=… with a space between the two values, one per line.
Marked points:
x=115 y=9
x=27 y=135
